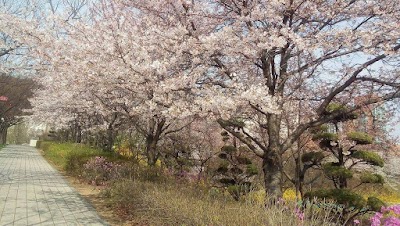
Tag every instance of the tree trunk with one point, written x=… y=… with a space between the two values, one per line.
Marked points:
x=272 y=178
x=78 y=134
x=3 y=135
x=342 y=180
x=299 y=176
x=271 y=160
x=151 y=150
x=153 y=136
x=111 y=134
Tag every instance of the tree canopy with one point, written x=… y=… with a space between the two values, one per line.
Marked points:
x=273 y=65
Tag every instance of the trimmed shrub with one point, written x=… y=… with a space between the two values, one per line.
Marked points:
x=372 y=178
x=369 y=157
x=333 y=171
x=313 y=156
x=360 y=138
x=326 y=136
x=335 y=107
x=341 y=110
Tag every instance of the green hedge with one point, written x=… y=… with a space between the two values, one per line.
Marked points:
x=70 y=156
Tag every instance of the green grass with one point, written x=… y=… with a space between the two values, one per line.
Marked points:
x=59 y=153
x=2 y=146
x=71 y=156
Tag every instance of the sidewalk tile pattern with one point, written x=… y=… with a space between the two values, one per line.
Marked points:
x=32 y=192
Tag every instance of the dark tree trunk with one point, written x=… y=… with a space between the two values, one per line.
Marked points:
x=111 y=134
x=342 y=180
x=78 y=134
x=272 y=161
x=65 y=135
x=301 y=185
x=299 y=176
x=272 y=178
x=152 y=138
x=151 y=150
x=3 y=135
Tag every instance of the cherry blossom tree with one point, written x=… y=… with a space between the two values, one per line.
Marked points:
x=257 y=60
x=15 y=92
x=107 y=74
x=248 y=63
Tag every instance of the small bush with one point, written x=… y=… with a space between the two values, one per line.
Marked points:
x=348 y=198
x=320 y=193
x=243 y=160
x=38 y=143
x=76 y=159
x=234 y=122
x=98 y=171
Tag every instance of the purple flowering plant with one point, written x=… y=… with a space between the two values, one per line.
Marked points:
x=388 y=216
x=299 y=214
x=98 y=170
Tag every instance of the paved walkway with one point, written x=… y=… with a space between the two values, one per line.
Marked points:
x=33 y=193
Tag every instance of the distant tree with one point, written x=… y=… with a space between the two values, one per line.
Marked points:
x=17 y=91
x=18 y=134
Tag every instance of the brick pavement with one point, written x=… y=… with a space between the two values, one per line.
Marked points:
x=33 y=193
